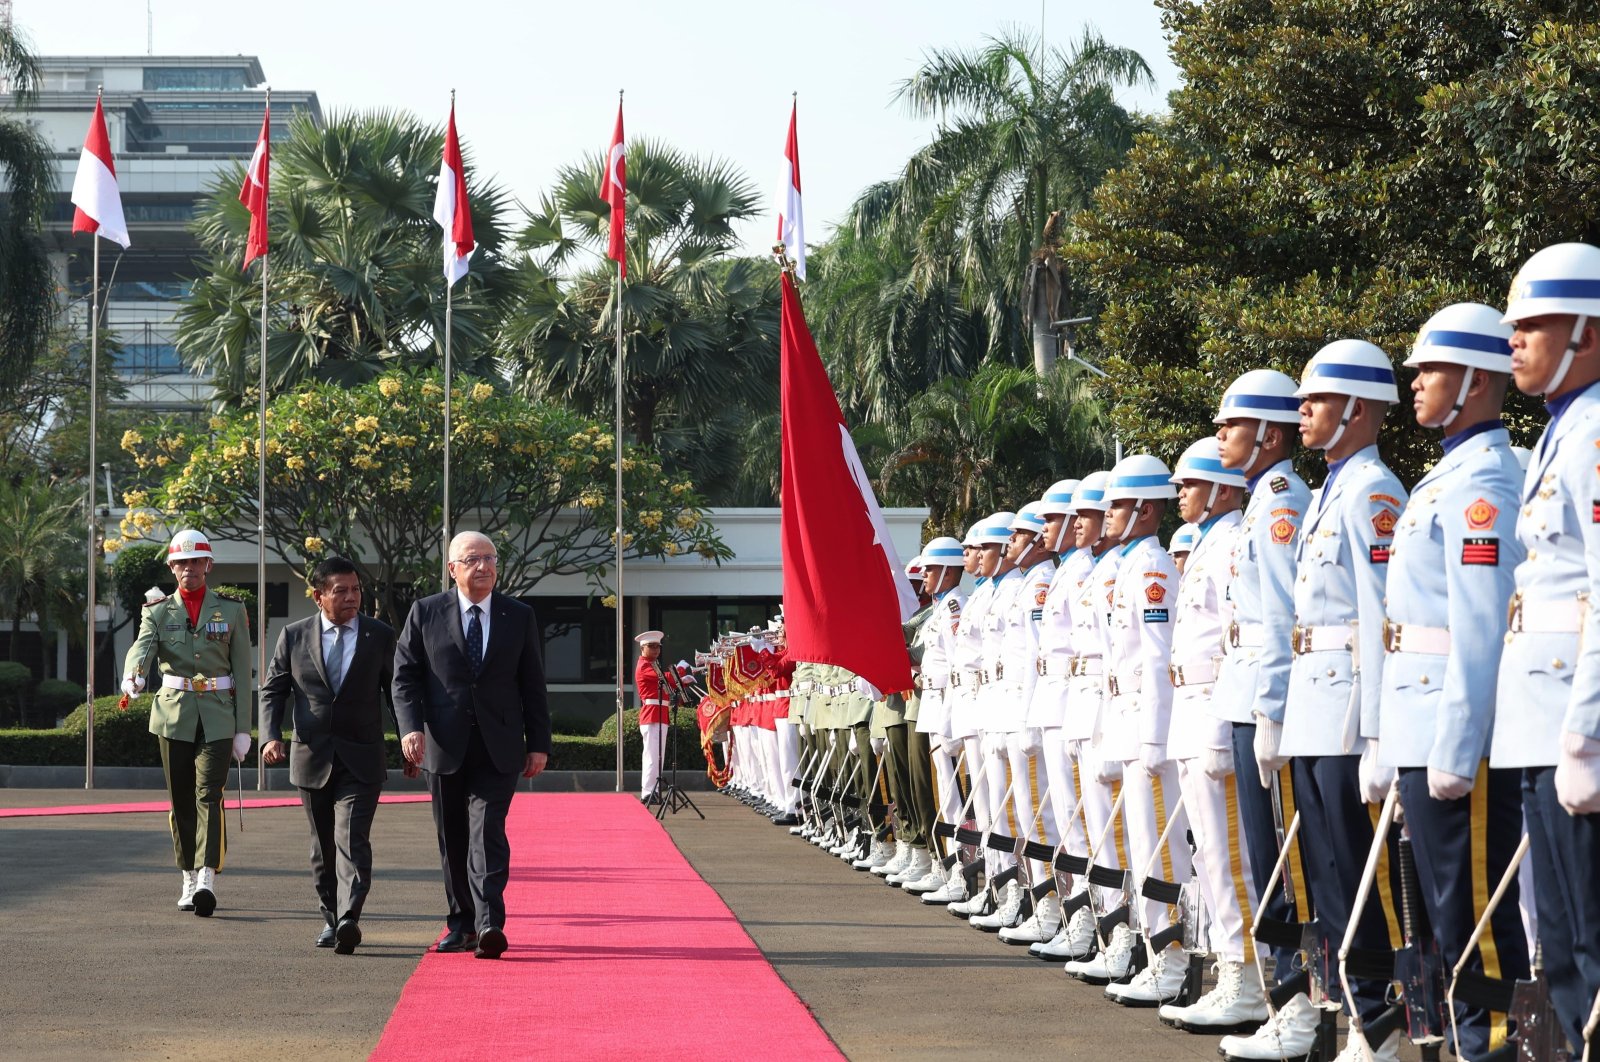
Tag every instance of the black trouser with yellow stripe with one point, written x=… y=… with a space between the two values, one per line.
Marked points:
x=197 y=778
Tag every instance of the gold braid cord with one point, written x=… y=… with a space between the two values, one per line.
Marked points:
x=718 y=720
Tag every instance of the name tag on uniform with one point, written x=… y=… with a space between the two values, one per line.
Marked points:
x=172 y=627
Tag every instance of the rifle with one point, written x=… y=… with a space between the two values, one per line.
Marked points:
x=994 y=841
x=1272 y=932
x=1106 y=878
x=1153 y=888
x=1358 y=1048
x=1419 y=965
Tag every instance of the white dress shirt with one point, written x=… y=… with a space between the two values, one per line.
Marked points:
x=463 y=603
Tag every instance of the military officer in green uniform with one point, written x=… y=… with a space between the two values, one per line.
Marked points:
x=193 y=650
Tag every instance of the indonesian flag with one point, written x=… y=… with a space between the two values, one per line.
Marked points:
x=94 y=189
x=450 y=207
x=253 y=194
x=844 y=595
x=614 y=190
x=791 y=219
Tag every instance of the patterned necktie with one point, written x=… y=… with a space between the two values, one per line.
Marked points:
x=475 y=639
x=335 y=661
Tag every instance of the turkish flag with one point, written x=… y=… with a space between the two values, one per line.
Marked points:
x=844 y=597
x=253 y=194
x=614 y=190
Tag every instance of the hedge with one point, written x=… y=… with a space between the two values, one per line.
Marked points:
x=122 y=739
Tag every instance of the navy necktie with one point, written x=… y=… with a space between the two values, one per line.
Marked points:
x=475 y=639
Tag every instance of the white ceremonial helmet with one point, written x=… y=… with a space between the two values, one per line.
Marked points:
x=1203 y=461
x=1465 y=333
x=1029 y=518
x=1091 y=493
x=1561 y=279
x=943 y=552
x=1266 y=396
x=995 y=530
x=1142 y=477
x=1353 y=368
x=189 y=544
x=1184 y=539
x=1057 y=501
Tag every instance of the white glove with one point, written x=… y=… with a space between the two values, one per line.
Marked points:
x=804 y=729
x=1032 y=741
x=1154 y=757
x=1268 y=762
x=1108 y=771
x=878 y=745
x=1373 y=778
x=993 y=744
x=133 y=685
x=867 y=689
x=241 y=746
x=1578 y=774
x=1442 y=785
x=1217 y=763
x=854 y=751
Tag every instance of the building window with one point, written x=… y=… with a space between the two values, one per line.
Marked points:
x=194 y=79
x=692 y=623
x=580 y=639
x=148 y=359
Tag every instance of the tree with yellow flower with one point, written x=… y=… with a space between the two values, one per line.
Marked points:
x=357 y=471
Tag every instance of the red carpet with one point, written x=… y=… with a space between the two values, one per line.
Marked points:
x=618 y=951
x=163 y=806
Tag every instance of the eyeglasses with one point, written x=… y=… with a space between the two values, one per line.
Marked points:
x=475 y=560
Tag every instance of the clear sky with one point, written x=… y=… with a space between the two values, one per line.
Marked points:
x=536 y=81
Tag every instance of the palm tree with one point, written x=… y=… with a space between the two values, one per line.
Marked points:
x=356 y=280
x=1025 y=132
x=40 y=553
x=700 y=323
x=27 y=289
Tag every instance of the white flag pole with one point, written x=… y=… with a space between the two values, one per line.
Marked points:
x=621 y=657
x=94 y=427
x=261 y=502
x=449 y=320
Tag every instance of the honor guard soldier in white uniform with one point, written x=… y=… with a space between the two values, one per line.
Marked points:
x=1450 y=576
x=942 y=565
x=1047 y=706
x=1549 y=724
x=1138 y=709
x=1258 y=417
x=1202 y=742
x=1336 y=680
x=1182 y=544
x=1034 y=567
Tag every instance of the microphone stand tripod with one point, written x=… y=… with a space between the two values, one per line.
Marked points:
x=670 y=797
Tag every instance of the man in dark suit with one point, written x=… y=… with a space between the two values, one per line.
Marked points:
x=469 y=695
x=336 y=668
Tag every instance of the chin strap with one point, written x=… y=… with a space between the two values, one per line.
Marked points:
x=1211 y=499
x=1255 y=451
x=1461 y=396
x=1344 y=422
x=1127 y=528
x=1566 y=358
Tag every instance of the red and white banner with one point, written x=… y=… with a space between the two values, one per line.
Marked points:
x=614 y=190
x=94 y=189
x=844 y=592
x=791 y=218
x=253 y=193
x=450 y=206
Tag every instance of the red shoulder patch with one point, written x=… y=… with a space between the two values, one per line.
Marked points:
x=1481 y=515
x=1383 y=522
x=1038 y=597
x=1155 y=593
x=1282 y=531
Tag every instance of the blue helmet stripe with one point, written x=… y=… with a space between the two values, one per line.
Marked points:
x=1366 y=373
x=1559 y=289
x=1143 y=481
x=1261 y=402
x=1465 y=341
x=1204 y=464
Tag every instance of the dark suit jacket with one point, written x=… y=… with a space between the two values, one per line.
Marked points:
x=349 y=723
x=435 y=691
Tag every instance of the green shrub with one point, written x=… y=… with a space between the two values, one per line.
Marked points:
x=15 y=681
x=56 y=696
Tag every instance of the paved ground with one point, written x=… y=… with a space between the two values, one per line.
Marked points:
x=101 y=963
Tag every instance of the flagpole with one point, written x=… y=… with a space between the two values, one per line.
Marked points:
x=449 y=321
x=621 y=664
x=261 y=505
x=94 y=398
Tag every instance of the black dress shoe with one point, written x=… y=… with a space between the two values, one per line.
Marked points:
x=786 y=819
x=491 y=944
x=346 y=936
x=325 y=938
x=457 y=940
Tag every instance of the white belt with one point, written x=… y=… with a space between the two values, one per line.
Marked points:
x=1194 y=673
x=1561 y=615
x=1047 y=665
x=198 y=684
x=652 y=702
x=1085 y=665
x=1245 y=636
x=1125 y=684
x=1415 y=638
x=1320 y=639
x=780 y=695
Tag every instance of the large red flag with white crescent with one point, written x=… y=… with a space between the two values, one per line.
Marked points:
x=253 y=193
x=614 y=190
x=450 y=207
x=95 y=195
x=844 y=591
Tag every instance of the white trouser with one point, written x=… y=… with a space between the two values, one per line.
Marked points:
x=655 y=741
x=1144 y=808
x=740 y=750
x=776 y=784
x=1097 y=802
x=788 y=764
x=1221 y=867
x=1022 y=798
x=946 y=793
x=1062 y=820
x=980 y=786
x=997 y=778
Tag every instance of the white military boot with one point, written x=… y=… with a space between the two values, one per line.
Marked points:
x=1074 y=941
x=931 y=881
x=205 y=892
x=916 y=868
x=898 y=857
x=845 y=843
x=1356 y=1049
x=878 y=855
x=1287 y=1034
x=1007 y=913
x=978 y=904
x=1112 y=964
x=954 y=889
x=1157 y=983
x=186 y=892
x=1039 y=927
x=1236 y=1001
